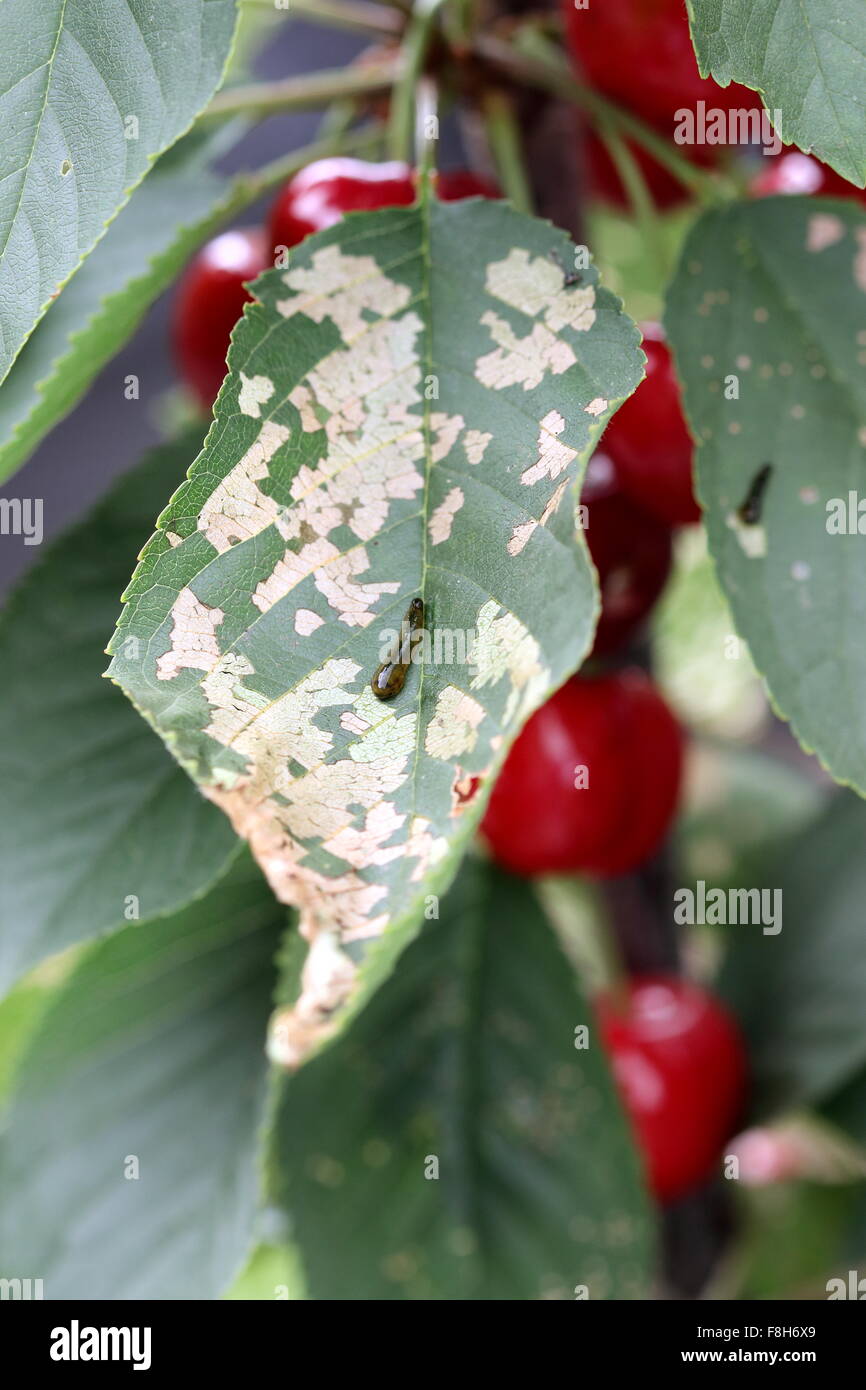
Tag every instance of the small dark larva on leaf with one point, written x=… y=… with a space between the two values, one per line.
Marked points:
x=750 y=511
x=389 y=678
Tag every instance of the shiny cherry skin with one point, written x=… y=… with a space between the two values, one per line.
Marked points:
x=680 y=1065
x=592 y=783
x=791 y=171
x=639 y=53
x=649 y=440
x=631 y=551
x=319 y=195
x=210 y=300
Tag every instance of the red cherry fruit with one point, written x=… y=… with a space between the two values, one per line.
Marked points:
x=210 y=300
x=640 y=54
x=320 y=194
x=592 y=782
x=457 y=184
x=680 y=1065
x=631 y=550
x=795 y=172
x=649 y=440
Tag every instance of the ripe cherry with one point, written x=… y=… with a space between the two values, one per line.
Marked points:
x=210 y=300
x=592 y=781
x=631 y=550
x=320 y=194
x=680 y=1065
x=454 y=185
x=649 y=440
x=640 y=54
x=795 y=172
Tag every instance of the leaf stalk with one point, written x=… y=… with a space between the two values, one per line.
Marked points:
x=311 y=90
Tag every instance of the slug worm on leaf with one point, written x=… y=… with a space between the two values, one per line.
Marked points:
x=750 y=512
x=389 y=678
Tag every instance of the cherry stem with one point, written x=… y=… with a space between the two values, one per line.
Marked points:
x=251 y=184
x=362 y=15
x=310 y=90
x=459 y=22
x=639 y=196
x=536 y=62
x=505 y=145
x=426 y=131
x=337 y=120
x=419 y=31
x=579 y=915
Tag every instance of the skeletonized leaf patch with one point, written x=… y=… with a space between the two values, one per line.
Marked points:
x=407 y=408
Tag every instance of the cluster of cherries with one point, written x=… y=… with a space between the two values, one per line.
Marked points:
x=592 y=783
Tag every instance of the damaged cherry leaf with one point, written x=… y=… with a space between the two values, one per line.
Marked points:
x=767 y=318
x=407 y=409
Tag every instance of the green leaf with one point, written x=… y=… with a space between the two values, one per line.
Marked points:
x=622 y=259
x=698 y=662
x=799 y=994
x=406 y=411
x=175 y=209
x=794 y=1237
x=178 y=206
x=769 y=299
x=20 y=1013
x=93 y=814
x=806 y=59
x=853 y=1242
x=91 y=94
x=459 y=1104
x=847 y=1108
x=271 y=1272
x=744 y=806
x=149 y=1058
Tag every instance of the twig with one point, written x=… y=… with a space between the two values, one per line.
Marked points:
x=310 y=90
x=552 y=76
x=639 y=196
x=413 y=52
x=506 y=147
x=250 y=184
